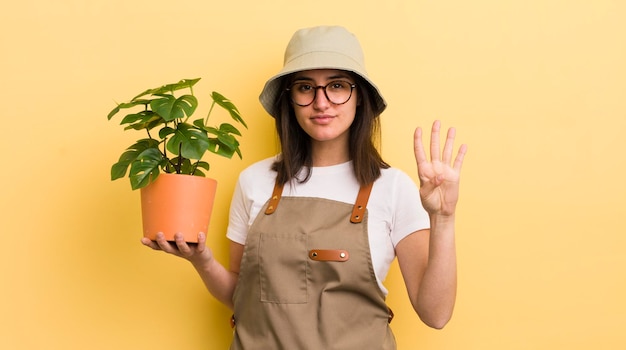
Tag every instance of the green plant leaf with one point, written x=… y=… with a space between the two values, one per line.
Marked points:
x=169 y=88
x=145 y=168
x=181 y=84
x=225 y=144
x=169 y=107
x=230 y=129
x=126 y=105
x=229 y=106
x=118 y=170
x=228 y=140
x=219 y=148
x=224 y=129
x=149 y=123
x=203 y=165
x=191 y=141
x=199 y=123
x=142 y=117
x=166 y=131
x=133 y=117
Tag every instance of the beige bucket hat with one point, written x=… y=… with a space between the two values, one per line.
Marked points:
x=322 y=47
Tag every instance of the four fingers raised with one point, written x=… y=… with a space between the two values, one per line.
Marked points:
x=435 y=150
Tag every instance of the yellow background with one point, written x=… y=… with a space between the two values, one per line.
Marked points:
x=536 y=88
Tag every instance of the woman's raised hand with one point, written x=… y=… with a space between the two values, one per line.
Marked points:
x=439 y=177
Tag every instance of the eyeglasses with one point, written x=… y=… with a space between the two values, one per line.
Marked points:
x=337 y=92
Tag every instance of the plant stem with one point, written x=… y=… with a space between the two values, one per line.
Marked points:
x=206 y=120
x=169 y=162
x=180 y=158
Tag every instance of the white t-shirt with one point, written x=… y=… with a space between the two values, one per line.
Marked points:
x=394 y=207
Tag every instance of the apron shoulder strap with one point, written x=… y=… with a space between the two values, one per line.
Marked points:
x=276 y=194
x=357 y=211
x=361 y=203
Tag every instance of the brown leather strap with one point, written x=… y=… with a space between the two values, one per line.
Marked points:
x=390 y=313
x=329 y=255
x=276 y=194
x=357 y=211
x=361 y=203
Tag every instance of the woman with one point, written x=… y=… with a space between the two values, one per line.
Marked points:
x=314 y=230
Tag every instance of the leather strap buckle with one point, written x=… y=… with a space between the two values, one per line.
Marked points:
x=358 y=211
x=329 y=255
x=275 y=199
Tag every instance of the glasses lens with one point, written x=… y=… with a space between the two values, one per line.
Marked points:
x=302 y=93
x=337 y=92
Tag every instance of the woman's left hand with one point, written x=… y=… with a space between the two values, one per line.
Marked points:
x=439 y=177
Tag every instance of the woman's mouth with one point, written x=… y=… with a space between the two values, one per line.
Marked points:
x=322 y=119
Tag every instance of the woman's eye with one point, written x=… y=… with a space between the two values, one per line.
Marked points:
x=338 y=85
x=305 y=87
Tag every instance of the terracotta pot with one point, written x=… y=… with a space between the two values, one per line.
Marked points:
x=177 y=203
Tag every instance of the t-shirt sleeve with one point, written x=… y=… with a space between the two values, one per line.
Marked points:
x=239 y=216
x=409 y=214
x=253 y=188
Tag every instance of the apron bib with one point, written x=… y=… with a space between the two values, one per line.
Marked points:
x=306 y=279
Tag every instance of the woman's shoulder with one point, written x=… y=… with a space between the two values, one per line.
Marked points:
x=394 y=183
x=394 y=175
x=262 y=167
x=258 y=177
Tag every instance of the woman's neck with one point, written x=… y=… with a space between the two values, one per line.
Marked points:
x=329 y=153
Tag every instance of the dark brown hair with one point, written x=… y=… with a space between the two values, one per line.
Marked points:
x=296 y=144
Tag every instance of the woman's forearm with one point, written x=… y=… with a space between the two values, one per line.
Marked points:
x=218 y=280
x=437 y=292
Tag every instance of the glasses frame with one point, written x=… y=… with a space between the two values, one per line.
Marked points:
x=323 y=87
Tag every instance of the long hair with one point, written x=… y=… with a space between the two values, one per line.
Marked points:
x=296 y=144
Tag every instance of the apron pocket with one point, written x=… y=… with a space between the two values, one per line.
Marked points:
x=283 y=268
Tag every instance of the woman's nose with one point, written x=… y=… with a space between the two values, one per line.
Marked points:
x=320 y=101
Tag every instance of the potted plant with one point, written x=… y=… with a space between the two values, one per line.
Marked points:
x=167 y=165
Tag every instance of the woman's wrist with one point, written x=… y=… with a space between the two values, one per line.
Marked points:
x=202 y=262
x=442 y=225
x=442 y=219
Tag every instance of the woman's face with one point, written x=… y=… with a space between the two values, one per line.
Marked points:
x=323 y=120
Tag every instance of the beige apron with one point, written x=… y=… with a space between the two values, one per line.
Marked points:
x=306 y=279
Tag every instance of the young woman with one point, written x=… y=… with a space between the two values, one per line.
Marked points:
x=314 y=230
